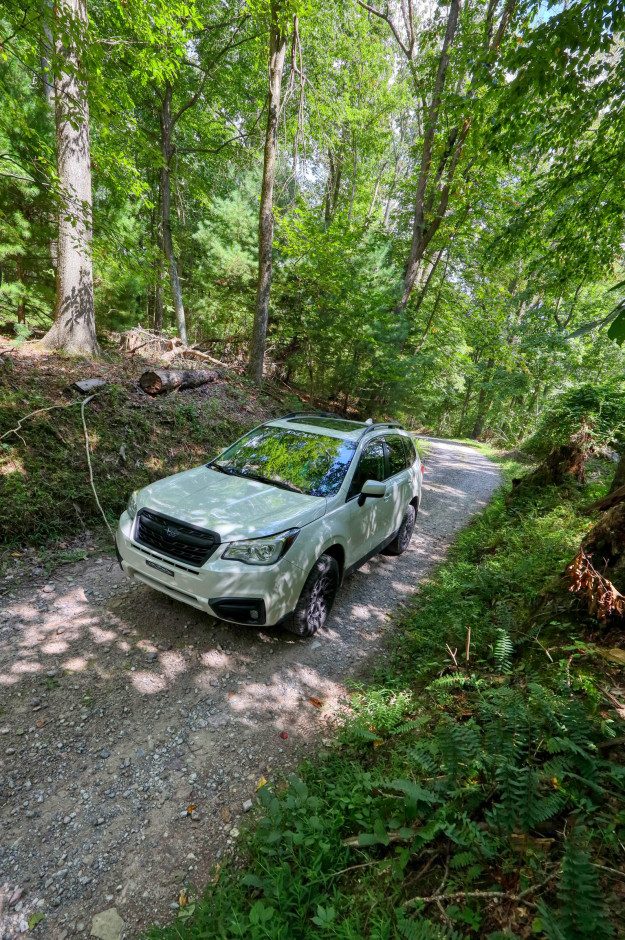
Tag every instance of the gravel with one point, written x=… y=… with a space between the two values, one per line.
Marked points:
x=135 y=729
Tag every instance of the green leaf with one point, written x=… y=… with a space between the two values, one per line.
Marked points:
x=617 y=329
x=35 y=919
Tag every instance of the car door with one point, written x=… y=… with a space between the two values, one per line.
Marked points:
x=399 y=485
x=366 y=522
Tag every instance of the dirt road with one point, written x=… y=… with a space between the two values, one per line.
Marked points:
x=119 y=709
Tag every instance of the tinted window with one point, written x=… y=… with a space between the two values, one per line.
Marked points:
x=396 y=454
x=370 y=467
x=306 y=462
x=411 y=454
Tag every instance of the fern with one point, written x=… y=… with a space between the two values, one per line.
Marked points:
x=424 y=930
x=581 y=913
x=503 y=652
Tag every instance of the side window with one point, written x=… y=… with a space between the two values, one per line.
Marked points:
x=396 y=454
x=411 y=454
x=370 y=467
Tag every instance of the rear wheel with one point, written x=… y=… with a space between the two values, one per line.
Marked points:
x=316 y=599
x=402 y=540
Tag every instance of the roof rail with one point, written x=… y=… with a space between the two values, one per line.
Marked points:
x=310 y=414
x=374 y=426
x=380 y=424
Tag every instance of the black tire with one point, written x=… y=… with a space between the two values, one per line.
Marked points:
x=402 y=540
x=316 y=599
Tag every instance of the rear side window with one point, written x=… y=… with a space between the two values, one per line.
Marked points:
x=411 y=453
x=396 y=454
x=370 y=467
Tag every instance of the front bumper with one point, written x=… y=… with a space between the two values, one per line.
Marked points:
x=240 y=593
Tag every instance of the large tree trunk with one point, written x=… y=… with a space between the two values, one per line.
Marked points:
x=167 y=124
x=277 y=48
x=74 y=326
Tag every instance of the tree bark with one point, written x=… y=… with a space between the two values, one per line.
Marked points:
x=421 y=232
x=164 y=380
x=277 y=48
x=46 y=51
x=167 y=150
x=74 y=326
x=434 y=183
x=333 y=185
x=482 y=405
x=619 y=476
x=21 y=306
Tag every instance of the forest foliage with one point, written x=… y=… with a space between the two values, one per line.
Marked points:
x=447 y=202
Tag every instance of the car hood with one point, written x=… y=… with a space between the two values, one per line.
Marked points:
x=234 y=507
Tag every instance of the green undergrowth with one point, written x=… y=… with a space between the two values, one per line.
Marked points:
x=466 y=797
x=45 y=491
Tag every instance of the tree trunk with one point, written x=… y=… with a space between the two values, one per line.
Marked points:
x=482 y=405
x=167 y=125
x=46 y=51
x=354 y=180
x=465 y=405
x=74 y=326
x=164 y=380
x=422 y=231
x=277 y=48
x=619 y=476
x=21 y=306
x=333 y=185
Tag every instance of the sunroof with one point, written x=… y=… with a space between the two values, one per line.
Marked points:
x=334 y=424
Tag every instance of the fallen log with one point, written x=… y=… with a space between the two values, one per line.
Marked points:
x=166 y=380
x=177 y=348
x=617 y=496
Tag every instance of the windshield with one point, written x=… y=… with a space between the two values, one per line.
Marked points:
x=295 y=460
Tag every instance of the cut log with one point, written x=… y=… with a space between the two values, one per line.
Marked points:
x=166 y=380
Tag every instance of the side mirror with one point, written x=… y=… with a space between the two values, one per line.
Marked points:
x=374 y=489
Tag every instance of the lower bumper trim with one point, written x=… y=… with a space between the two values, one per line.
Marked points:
x=246 y=610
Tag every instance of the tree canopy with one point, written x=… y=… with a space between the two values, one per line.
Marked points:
x=439 y=189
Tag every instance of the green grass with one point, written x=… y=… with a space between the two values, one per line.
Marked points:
x=450 y=779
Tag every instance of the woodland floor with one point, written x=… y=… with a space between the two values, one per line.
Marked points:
x=120 y=708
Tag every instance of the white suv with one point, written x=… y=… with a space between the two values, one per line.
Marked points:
x=266 y=532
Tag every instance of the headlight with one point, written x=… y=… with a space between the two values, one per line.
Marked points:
x=261 y=551
x=131 y=508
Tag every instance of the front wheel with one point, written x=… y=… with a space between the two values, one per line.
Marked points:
x=316 y=599
x=402 y=540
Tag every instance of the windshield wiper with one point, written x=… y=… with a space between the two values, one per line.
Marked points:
x=230 y=471
x=215 y=466
x=278 y=483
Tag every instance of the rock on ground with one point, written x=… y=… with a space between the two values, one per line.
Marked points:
x=107 y=925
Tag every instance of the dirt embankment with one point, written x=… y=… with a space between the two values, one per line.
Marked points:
x=45 y=492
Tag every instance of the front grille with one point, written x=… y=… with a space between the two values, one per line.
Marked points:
x=187 y=543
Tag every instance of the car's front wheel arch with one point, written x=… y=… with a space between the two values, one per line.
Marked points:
x=337 y=552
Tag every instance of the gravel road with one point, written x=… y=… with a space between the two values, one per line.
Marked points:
x=120 y=708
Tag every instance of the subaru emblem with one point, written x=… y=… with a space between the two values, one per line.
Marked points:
x=170 y=532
